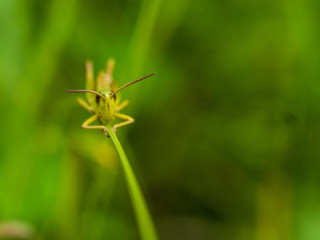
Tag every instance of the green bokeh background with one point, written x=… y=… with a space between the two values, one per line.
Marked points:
x=226 y=139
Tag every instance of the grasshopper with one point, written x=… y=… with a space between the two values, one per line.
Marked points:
x=101 y=98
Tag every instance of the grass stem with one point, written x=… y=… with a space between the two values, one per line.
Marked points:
x=145 y=224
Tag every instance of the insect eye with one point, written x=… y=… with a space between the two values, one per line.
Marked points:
x=113 y=95
x=98 y=99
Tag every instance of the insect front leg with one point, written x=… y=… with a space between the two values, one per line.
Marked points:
x=84 y=104
x=128 y=120
x=91 y=120
x=122 y=105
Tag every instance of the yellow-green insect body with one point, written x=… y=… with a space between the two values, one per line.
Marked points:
x=101 y=98
x=105 y=108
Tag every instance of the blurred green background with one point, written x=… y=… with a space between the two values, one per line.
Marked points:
x=226 y=139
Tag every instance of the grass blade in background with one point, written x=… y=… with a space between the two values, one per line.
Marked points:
x=36 y=65
x=141 y=39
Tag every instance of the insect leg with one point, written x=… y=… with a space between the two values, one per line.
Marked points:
x=110 y=67
x=122 y=105
x=104 y=80
x=90 y=85
x=91 y=120
x=128 y=120
x=84 y=104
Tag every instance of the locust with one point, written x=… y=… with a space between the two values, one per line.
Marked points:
x=101 y=99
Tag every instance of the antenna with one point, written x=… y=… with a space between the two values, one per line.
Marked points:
x=89 y=91
x=130 y=83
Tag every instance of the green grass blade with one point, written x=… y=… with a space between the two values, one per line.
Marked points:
x=145 y=224
x=141 y=40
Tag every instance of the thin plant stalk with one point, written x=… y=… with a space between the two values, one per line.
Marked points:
x=145 y=223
